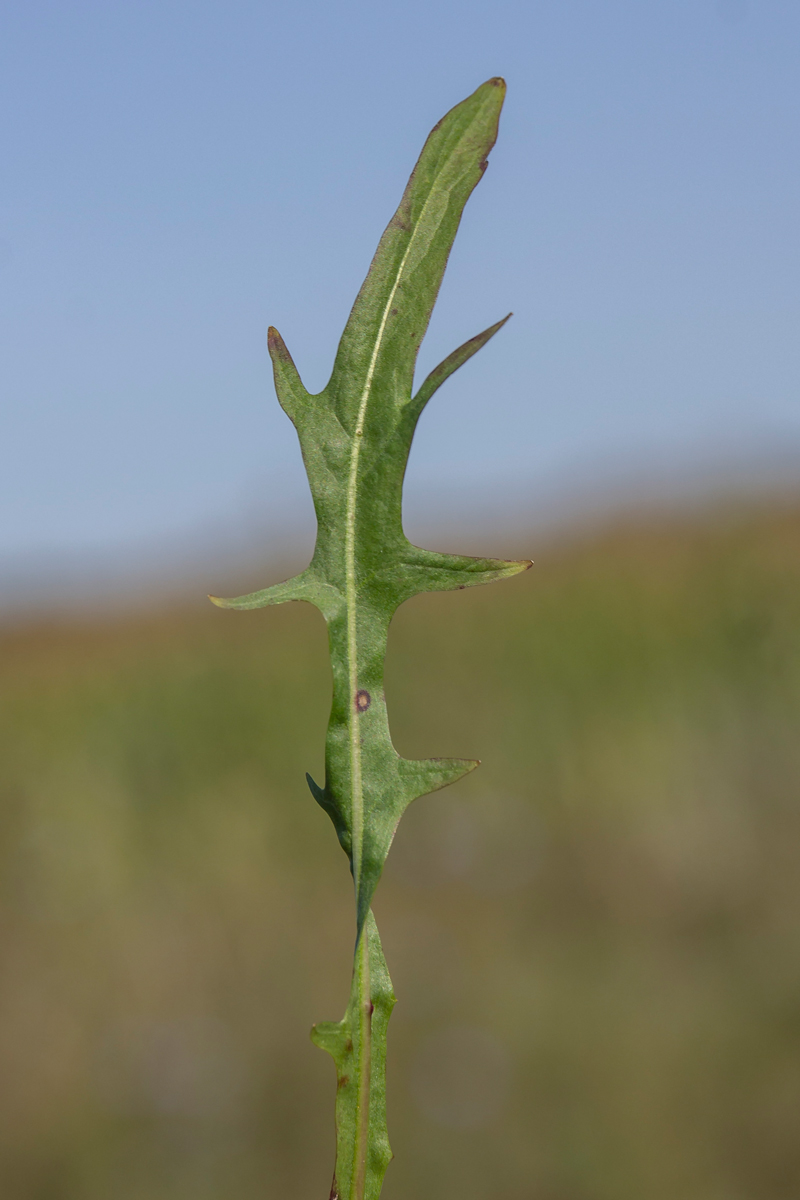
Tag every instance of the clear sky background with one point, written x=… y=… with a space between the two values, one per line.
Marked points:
x=178 y=175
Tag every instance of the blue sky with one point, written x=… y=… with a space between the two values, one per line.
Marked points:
x=177 y=176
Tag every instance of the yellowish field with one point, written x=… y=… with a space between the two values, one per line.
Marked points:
x=595 y=939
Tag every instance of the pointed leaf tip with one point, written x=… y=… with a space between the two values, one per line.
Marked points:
x=297 y=588
x=288 y=384
x=276 y=344
x=453 y=361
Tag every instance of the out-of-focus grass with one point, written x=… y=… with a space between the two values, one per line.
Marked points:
x=595 y=938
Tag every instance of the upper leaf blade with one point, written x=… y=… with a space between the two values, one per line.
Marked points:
x=379 y=346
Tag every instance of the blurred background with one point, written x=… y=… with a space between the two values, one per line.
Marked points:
x=595 y=938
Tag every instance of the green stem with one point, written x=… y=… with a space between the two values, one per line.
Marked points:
x=365 y=1008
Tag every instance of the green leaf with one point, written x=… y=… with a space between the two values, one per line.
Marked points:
x=355 y=437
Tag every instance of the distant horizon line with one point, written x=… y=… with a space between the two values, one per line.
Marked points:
x=137 y=572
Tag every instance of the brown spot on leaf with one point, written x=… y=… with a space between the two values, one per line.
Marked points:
x=343 y=1081
x=334 y=1190
x=363 y=700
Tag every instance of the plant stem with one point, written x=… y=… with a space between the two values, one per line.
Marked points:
x=365 y=1008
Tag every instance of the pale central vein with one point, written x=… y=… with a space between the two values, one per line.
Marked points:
x=350 y=581
x=365 y=1022
x=350 y=556
x=357 y=791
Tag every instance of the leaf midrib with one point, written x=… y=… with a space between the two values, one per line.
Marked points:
x=357 y=811
x=356 y=782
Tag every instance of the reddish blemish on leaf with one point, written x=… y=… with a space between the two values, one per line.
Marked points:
x=363 y=700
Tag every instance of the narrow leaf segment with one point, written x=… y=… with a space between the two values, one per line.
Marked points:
x=355 y=437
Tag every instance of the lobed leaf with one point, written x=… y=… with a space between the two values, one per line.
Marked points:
x=355 y=437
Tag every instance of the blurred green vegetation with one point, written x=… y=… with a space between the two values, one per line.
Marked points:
x=595 y=938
